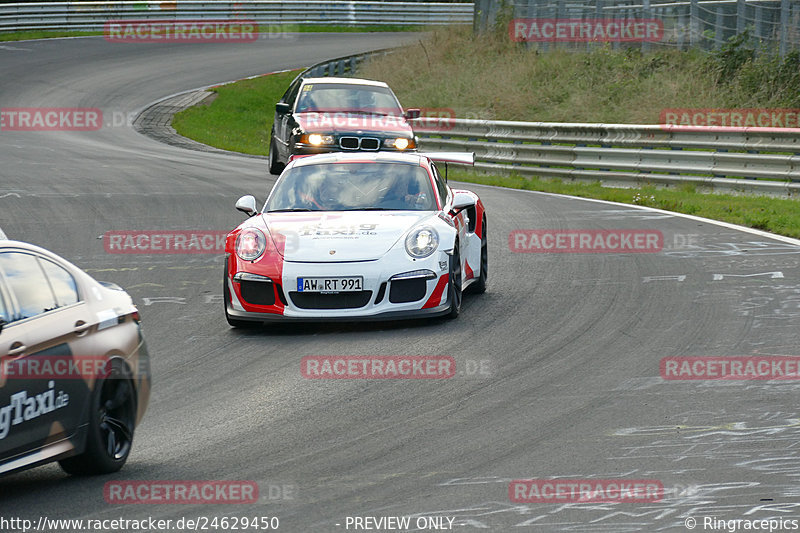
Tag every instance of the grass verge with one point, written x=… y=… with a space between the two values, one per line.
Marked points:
x=240 y=118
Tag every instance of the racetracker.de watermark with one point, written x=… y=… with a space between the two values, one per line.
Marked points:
x=585 y=490
x=50 y=119
x=730 y=368
x=165 y=242
x=702 y=118
x=180 y=492
x=377 y=367
x=85 y=367
x=181 y=31
x=585 y=30
x=586 y=241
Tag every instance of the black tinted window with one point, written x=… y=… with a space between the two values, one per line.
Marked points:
x=440 y=184
x=28 y=283
x=62 y=283
x=291 y=94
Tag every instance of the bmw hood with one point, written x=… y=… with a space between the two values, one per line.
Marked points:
x=343 y=123
x=339 y=236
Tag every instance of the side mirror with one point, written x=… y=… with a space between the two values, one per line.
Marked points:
x=2 y=322
x=462 y=201
x=247 y=205
x=413 y=113
x=283 y=107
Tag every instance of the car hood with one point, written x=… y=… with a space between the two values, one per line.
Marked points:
x=339 y=236
x=341 y=123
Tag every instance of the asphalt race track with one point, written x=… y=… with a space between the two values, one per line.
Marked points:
x=557 y=364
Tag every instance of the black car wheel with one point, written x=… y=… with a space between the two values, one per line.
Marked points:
x=454 y=283
x=479 y=286
x=275 y=166
x=111 y=423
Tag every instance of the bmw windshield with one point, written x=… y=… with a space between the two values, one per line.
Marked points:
x=347 y=98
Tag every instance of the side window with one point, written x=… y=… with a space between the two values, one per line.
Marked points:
x=440 y=184
x=62 y=283
x=291 y=94
x=27 y=282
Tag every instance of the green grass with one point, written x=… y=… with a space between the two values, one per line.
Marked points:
x=42 y=34
x=266 y=29
x=240 y=118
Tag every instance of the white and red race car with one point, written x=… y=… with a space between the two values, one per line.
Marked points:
x=354 y=236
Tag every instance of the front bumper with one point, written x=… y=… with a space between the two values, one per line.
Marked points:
x=383 y=295
x=298 y=148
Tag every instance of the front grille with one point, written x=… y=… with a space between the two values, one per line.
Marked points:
x=258 y=292
x=359 y=143
x=369 y=143
x=349 y=143
x=342 y=300
x=407 y=290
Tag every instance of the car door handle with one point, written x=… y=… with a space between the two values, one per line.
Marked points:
x=17 y=349
x=81 y=328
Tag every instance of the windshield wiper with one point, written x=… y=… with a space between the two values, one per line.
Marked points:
x=289 y=210
x=372 y=209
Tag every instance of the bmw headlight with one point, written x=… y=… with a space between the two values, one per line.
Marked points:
x=400 y=143
x=317 y=139
x=422 y=242
x=250 y=244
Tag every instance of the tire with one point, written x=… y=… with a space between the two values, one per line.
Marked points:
x=454 y=284
x=479 y=287
x=112 y=420
x=233 y=322
x=275 y=166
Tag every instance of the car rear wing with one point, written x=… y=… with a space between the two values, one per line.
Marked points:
x=459 y=158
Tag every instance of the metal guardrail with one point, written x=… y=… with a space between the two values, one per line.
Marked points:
x=687 y=23
x=633 y=154
x=341 y=66
x=91 y=16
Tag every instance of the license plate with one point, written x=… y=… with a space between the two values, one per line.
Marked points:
x=346 y=284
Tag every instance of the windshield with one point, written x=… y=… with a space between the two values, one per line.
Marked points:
x=353 y=186
x=343 y=97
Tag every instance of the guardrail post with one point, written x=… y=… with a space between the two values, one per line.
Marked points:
x=694 y=23
x=719 y=30
x=740 y=16
x=759 y=25
x=784 y=28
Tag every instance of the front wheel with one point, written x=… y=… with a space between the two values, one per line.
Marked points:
x=454 y=283
x=275 y=166
x=111 y=423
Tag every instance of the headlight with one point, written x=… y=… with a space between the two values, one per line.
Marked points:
x=250 y=244
x=316 y=139
x=400 y=143
x=422 y=242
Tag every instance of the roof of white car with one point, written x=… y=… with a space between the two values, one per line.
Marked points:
x=347 y=81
